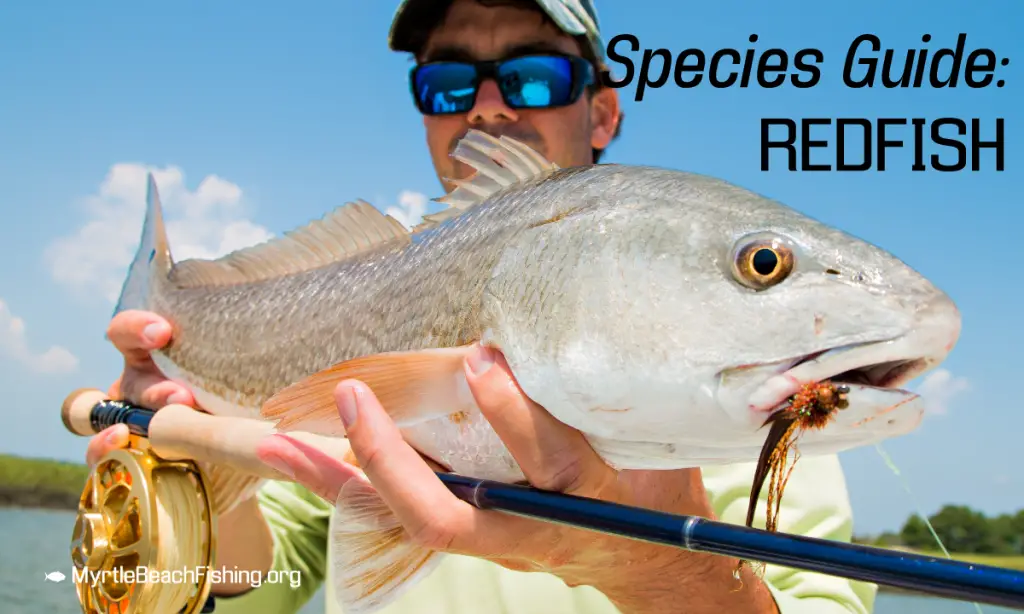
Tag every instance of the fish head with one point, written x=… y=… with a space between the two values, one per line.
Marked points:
x=811 y=304
x=696 y=308
x=766 y=301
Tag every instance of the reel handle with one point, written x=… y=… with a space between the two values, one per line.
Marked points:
x=180 y=432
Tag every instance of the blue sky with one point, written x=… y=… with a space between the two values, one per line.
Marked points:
x=260 y=118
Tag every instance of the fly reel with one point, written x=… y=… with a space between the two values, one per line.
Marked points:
x=143 y=539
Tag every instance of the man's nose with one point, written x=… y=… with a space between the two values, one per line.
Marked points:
x=490 y=107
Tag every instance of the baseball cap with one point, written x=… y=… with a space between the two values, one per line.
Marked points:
x=574 y=17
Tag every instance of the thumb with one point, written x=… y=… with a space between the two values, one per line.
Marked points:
x=110 y=438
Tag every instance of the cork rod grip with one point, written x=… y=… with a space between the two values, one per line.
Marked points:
x=179 y=432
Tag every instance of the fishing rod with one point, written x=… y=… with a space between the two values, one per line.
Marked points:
x=924 y=574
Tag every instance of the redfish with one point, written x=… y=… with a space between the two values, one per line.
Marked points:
x=665 y=315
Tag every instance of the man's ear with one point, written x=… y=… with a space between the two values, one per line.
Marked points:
x=604 y=117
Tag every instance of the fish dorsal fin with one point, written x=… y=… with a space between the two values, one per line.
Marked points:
x=351 y=229
x=499 y=163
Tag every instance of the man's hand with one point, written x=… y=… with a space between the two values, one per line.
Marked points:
x=134 y=334
x=244 y=540
x=636 y=576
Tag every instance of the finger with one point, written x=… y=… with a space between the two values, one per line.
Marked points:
x=430 y=513
x=322 y=474
x=552 y=455
x=103 y=442
x=153 y=391
x=114 y=392
x=134 y=333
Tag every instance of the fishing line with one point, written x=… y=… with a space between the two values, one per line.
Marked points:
x=917 y=506
x=179 y=516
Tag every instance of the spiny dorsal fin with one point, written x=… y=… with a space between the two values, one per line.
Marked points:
x=351 y=229
x=499 y=163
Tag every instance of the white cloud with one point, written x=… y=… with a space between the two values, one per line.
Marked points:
x=207 y=222
x=13 y=343
x=410 y=209
x=938 y=388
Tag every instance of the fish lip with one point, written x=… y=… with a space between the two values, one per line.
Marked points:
x=876 y=364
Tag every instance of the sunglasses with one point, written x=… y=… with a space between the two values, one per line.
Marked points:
x=542 y=81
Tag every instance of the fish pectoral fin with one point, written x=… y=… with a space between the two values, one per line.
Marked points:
x=411 y=386
x=375 y=562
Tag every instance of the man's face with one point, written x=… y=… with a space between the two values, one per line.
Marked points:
x=565 y=135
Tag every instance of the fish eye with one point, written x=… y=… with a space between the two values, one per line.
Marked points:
x=761 y=262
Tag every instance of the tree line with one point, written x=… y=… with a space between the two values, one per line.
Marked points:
x=962 y=530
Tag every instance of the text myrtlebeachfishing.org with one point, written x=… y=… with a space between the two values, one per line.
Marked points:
x=868 y=64
x=145 y=575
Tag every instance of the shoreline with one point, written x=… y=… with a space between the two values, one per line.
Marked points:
x=38 y=498
x=41 y=483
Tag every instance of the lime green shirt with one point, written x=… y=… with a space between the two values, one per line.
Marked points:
x=815 y=503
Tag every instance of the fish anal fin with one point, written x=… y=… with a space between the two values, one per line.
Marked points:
x=498 y=162
x=411 y=386
x=351 y=229
x=230 y=487
x=375 y=561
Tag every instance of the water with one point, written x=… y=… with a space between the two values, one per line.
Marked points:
x=35 y=542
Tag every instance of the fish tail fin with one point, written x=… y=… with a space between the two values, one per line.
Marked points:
x=153 y=257
x=375 y=560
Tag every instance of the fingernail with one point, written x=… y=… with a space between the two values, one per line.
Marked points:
x=152 y=331
x=178 y=397
x=348 y=406
x=278 y=463
x=480 y=360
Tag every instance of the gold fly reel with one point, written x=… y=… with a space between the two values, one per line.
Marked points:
x=143 y=540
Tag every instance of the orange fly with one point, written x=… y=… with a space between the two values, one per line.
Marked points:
x=810 y=408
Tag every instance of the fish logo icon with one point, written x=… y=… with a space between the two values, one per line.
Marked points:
x=55 y=576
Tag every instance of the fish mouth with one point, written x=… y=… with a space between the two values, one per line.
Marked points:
x=879 y=366
x=885 y=374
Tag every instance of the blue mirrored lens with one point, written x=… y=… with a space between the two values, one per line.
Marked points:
x=536 y=81
x=445 y=88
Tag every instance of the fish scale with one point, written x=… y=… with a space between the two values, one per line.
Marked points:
x=619 y=296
